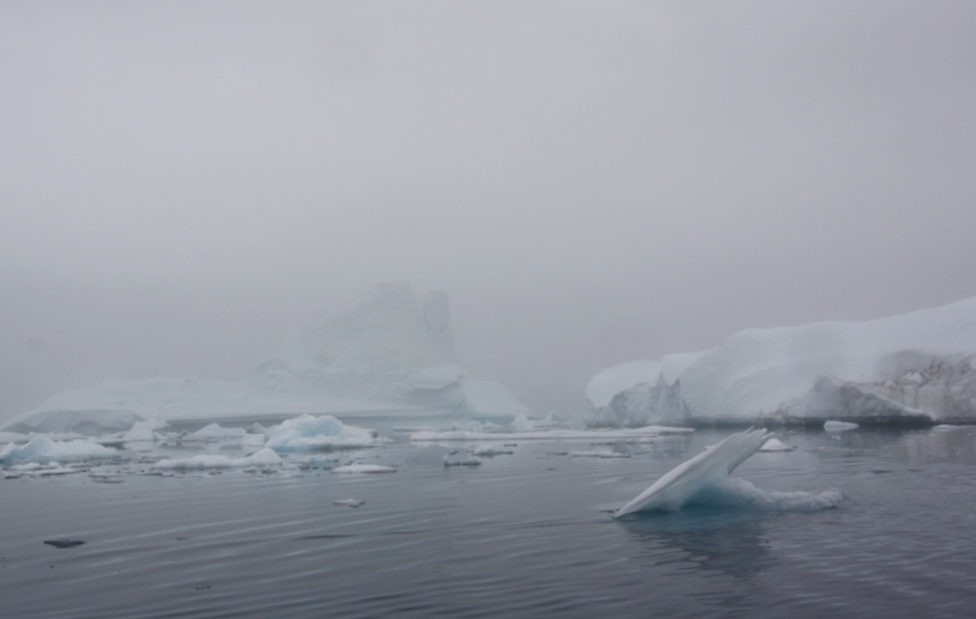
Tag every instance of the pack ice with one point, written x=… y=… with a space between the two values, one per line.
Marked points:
x=911 y=368
x=382 y=354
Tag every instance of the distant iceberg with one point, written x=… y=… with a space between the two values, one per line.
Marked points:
x=915 y=368
x=704 y=480
x=380 y=355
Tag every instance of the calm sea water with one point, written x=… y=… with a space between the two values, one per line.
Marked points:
x=522 y=535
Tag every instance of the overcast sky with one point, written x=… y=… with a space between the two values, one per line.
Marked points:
x=181 y=183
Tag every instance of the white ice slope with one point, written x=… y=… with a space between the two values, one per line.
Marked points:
x=907 y=368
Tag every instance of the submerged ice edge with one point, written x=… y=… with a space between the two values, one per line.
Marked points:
x=704 y=480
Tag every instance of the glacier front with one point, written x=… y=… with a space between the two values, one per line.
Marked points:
x=915 y=368
x=380 y=355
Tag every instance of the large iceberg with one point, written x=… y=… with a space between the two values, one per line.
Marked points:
x=915 y=368
x=382 y=354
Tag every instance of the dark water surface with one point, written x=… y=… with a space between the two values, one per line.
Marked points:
x=522 y=535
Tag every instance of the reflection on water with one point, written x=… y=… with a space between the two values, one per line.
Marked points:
x=729 y=541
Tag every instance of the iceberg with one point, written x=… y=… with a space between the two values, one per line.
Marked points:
x=383 y=354
x=704 y=480
x=42 y=449
x=914 y=369
x=323 y=432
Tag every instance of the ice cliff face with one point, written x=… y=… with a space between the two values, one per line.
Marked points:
x=913 y=368
x=381 y=354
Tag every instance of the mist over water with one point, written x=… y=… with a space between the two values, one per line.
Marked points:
x=182 y=184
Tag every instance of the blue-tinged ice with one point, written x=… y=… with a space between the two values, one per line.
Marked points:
x=43 y=449
x=704 y=480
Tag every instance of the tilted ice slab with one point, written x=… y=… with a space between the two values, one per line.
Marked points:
x=43 y=449
x=910 y=367
x=704 y=480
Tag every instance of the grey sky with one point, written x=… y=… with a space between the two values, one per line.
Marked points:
x=183 y=182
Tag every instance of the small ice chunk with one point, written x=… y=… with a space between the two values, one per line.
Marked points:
x=364 y=468
x=263 y=458
x=43 y=449
x=774 y=444
x=449 y=460
x=348 y=502
x=839 y=426
x=488 y=451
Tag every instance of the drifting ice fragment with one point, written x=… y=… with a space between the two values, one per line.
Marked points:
x=839 y=426
x=774 y=444
x=364 y=468
x=348 y=502
x=704 y=480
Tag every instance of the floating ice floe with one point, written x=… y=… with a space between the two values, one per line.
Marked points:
x=34 y=469
x=43 y=449
x=704 y=480
x=624 y=434
x=839 y=426
x=774 y=444
x=144 y=431
x=318 y=432
x=457 y=459
x=596 y=453
x=263 y=458
x=489 y=451
x=349 y=502
x=364 y=468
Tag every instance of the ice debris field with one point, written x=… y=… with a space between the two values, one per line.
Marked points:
x=323 y=442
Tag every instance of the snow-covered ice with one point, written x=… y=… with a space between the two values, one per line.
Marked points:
x=704 y=480
x=839 y=426
x=263 y=458
x=911 y=368
x=214 y=433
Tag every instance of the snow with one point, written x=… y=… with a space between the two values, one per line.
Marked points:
x=311 y=432
x=549 y=435
x=262 y=458
x=704 y=480
x=43 y=449
x=912 y=366
x=364 y=468
x=380 y=355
